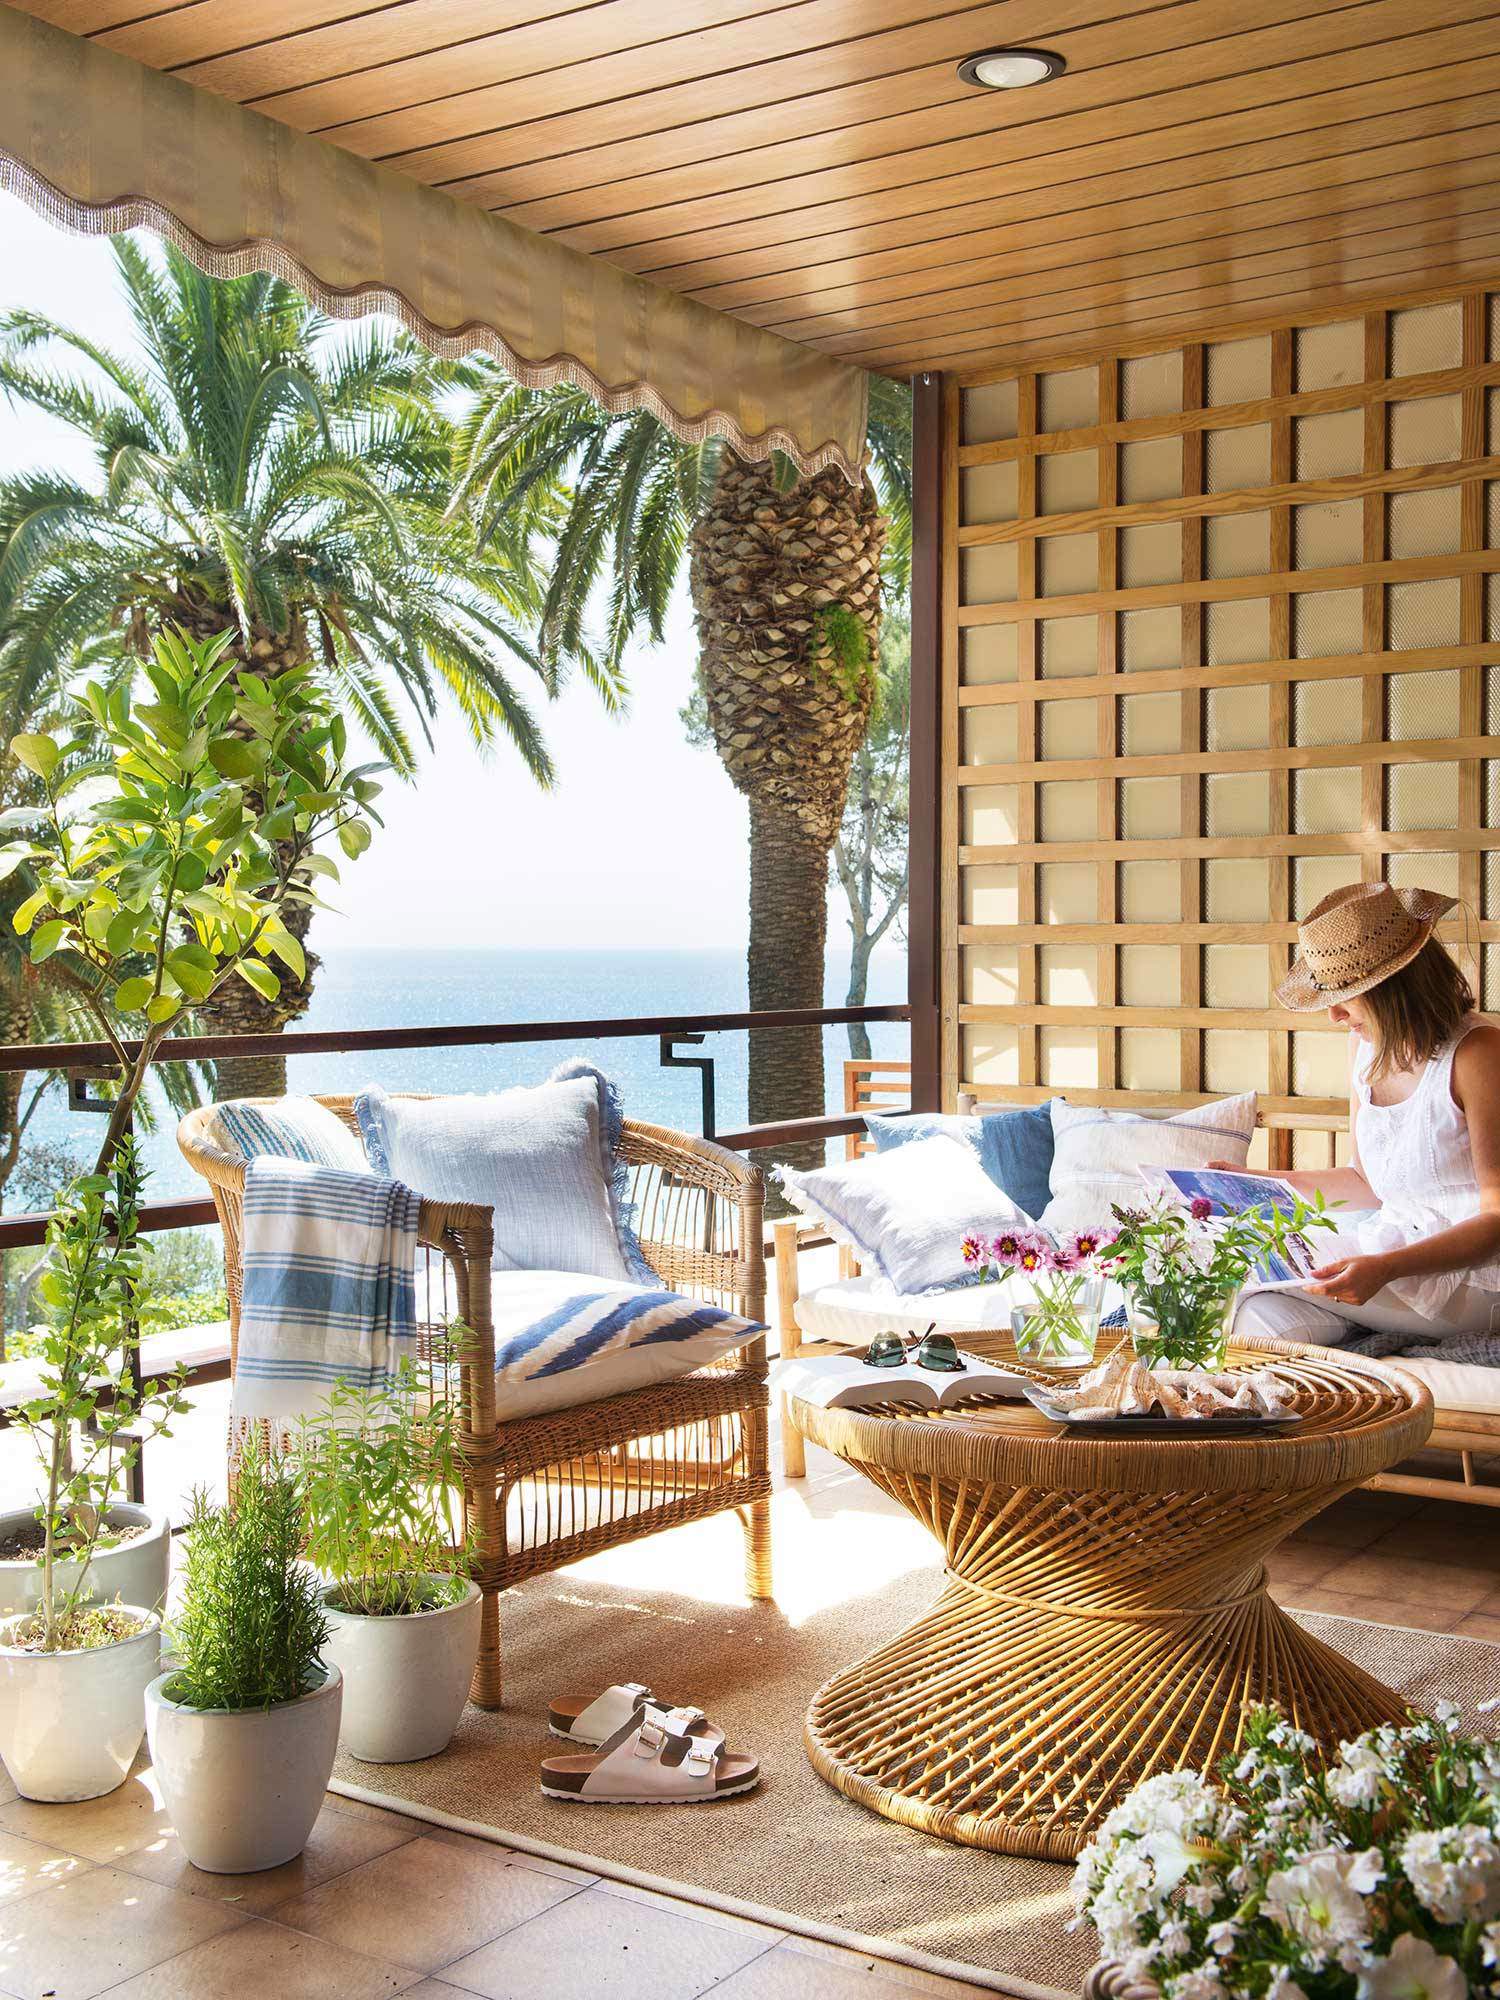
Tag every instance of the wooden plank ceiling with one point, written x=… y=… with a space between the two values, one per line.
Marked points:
x=819 y=168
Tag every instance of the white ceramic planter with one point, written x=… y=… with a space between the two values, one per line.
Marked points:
x=244 y=1786
x=405 y=1679
x=135 y=1572
x=71 y=1723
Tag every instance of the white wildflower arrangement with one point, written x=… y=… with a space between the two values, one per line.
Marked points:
x=1371 y=1876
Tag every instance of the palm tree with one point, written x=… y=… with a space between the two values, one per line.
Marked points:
x=786 y=579
x=255 y=471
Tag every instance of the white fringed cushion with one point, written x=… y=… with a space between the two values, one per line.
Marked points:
x=905 y=1213
x=291 y=1128
x=1096 y=1154
x=561 y=1339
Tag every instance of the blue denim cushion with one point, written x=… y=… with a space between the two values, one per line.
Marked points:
x=1014 y=1147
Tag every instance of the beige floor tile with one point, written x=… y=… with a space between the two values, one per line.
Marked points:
x=561 y=1871
x=99 y=1829
x=27 y=1866
x=425 y=1903
x=789 y=1973
x=98 y=1929
x=1357 y=1520
x=263 y=1959
x=1480 y=1624
x=681 y=1906
x=7 y=1789
x=357 y=1809
x=339 y=1842
x=1444 y=1586
x=602 y=1947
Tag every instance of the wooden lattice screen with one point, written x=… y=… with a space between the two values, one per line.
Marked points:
x=1222 y=632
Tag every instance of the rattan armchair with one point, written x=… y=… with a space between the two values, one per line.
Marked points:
x=548 y=1490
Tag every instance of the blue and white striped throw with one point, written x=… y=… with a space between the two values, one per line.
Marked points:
x=561 y=1339
x=295 y=1128
x=329 y=1261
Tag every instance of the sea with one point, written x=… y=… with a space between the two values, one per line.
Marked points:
x=390 y=988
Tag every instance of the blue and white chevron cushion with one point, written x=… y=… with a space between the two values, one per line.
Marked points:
x=561 y=1339
x=290 y=1128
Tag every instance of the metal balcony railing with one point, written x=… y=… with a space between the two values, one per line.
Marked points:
x=82 y=1058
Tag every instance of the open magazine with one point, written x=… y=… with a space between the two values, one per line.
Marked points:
x=844 y=1382
x=1235 y=1194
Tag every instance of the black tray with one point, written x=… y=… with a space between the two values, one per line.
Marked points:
x=1241 y=1424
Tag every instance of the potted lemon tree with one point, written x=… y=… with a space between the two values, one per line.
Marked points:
x=381 y=1471
x=146 y=896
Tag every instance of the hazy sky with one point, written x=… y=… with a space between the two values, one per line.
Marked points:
x=642 y=842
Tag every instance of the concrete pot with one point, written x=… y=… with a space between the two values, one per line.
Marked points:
x=71 y=1723
x=244 y=1786
x=406 y=1679
x=133 y=1573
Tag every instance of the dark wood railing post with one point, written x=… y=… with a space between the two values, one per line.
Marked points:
x=924 y=893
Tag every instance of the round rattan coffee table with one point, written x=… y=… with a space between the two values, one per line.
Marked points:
x=1105 y=1613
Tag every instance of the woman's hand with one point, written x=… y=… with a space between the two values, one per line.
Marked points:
x=1351 y=1280
x=1229 y=1167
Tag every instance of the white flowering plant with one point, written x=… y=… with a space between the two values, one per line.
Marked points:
x=1374 y=1875
x=1181 y=1266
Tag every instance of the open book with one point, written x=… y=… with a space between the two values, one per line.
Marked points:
x=844 y=1382
x=1235 y=1194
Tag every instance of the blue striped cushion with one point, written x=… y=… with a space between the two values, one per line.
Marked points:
x=293 y=1128
x=561 y=1339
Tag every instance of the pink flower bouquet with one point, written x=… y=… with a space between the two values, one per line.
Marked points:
x=1060 y=1322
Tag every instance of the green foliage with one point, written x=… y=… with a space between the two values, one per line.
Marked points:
x=617 y=497
x=255 y=469
x=148 y=899
x=145 y=901
x=842 y=652
x=87 y=1440
x=252 y=1625
x=381 y=1472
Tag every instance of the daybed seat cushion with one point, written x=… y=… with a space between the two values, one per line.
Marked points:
x=1458 y=1387
x=854 y=1310
x=562 y=1340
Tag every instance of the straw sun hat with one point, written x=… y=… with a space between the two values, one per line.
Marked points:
x=1355 y=938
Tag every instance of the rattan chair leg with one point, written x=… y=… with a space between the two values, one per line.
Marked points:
x=756 y=1521
x=485 y=1690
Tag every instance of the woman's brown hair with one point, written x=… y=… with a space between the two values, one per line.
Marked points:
x=1418 y=1009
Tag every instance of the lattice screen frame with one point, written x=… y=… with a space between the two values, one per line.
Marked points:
x=1412 y=392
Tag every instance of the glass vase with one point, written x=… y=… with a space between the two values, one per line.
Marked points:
x=1163 y=1338
x=1058 y=1333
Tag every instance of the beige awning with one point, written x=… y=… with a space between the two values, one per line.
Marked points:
x=97 y=142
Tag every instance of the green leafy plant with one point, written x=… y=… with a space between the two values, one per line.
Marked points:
x=841 y=651
x=1182 y=1266
x=381 y=1471
x=148 y=901
x=143 y=903
x=252 y=1626
x=90 y=1419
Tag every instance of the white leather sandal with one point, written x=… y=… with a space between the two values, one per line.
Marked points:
x=666 y=1757
x=592 y=1719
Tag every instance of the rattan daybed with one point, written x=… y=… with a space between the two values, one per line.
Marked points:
x=547 y=1490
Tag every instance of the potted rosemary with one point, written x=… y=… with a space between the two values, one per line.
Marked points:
x=244 y=1727
x=144 y=899
x=381 y=1472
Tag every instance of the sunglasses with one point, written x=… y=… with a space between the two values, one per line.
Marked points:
x=934 y=1350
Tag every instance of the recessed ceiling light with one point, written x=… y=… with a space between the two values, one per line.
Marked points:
x=1011 y=69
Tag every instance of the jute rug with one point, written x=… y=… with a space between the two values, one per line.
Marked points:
x=795 y=1851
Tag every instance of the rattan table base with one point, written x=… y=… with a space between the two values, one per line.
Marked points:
x=1088 y=1634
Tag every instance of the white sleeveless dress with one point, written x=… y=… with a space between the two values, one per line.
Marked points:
x=1418 y=1162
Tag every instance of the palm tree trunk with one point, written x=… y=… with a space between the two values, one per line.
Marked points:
x=788 y=942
